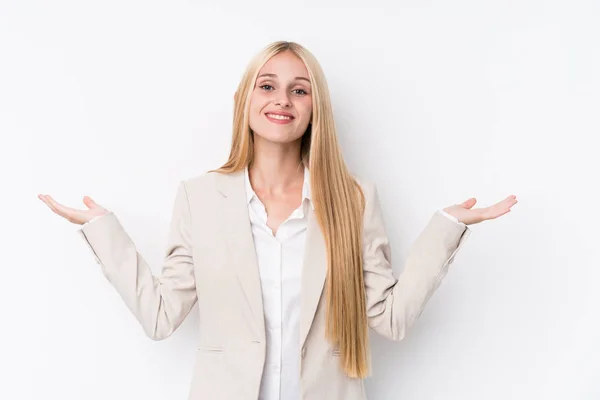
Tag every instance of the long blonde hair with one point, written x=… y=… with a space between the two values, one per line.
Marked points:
x=338 y=202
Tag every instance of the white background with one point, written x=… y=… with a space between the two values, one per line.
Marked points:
x=435 y=101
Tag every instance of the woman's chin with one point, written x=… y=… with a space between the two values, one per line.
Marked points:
x=279 y=137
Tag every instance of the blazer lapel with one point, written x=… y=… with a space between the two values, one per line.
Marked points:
x=240 y=246
x=240 y=243
x=313 y=274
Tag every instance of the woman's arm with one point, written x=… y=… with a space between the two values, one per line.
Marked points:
x=393 y=305
x=160 y=303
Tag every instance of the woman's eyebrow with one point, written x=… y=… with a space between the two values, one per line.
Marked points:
x=275 y=76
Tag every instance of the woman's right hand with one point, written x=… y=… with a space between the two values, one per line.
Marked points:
x=71 y=214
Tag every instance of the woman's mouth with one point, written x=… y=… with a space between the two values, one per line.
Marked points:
x=279 y=119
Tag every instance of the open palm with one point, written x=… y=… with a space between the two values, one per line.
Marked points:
x=465 y=212
x=74 y=215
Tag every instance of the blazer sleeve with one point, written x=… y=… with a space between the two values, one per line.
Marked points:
x=160 y=303
x=393 y=305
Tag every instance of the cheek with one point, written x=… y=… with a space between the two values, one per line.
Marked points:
x=254 y=108
x=258 y=97
x=257 y=104
x=306 y=107
x=254 y=101
x=254 y=118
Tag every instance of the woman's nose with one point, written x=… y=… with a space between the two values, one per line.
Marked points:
x=282 y=101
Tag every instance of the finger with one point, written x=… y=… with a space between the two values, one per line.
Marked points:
x=89 y=202
x=497 y=210
x=499 y=214
x=63 y=211
x=52 y=204
x=507 y=202
x=45 y=199
x=469 y=203
x=509 y=199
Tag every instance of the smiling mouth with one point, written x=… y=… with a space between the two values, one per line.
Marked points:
x=280 y=117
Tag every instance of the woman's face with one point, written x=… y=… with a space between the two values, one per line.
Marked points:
x=281 y=100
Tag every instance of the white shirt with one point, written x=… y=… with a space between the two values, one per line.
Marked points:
x=280 y=259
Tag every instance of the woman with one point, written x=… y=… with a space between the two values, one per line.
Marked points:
x=258 y=241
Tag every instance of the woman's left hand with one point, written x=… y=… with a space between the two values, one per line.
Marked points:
x=465 y=213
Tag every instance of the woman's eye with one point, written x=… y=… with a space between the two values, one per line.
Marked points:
x=267 y=87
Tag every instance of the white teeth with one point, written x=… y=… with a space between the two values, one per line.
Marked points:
x=279 y=116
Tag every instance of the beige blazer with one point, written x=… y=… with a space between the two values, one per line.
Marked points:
x=210 y=259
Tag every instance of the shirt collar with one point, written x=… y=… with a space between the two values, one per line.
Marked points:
x=305 y=187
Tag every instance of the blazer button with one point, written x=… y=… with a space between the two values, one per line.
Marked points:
x=303 y=352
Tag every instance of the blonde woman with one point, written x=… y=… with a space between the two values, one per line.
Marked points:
x=283 y=248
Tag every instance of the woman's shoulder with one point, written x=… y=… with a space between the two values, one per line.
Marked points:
x=205 y=186
x=204 y=180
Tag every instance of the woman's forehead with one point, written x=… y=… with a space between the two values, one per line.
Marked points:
x=284 y=64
